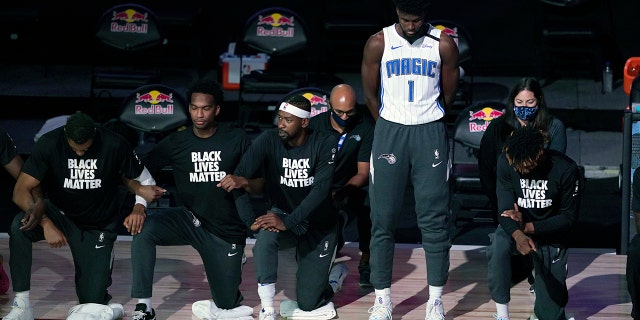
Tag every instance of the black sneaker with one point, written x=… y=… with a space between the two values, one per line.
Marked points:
x=141 y=313
x=365 y=274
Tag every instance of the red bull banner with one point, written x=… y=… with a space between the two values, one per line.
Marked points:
x=479 y=120
x=275 y=25
x=452 y=32
x=129 y=21
x=319 y=103
x=153 y=102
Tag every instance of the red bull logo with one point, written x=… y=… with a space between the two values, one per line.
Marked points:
x=318 y=104
x=452 y=32
x=275 y=23
x=154 y=99
x=134 y=21
x=486 y=114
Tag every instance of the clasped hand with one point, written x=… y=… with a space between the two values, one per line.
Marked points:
x=270 y=222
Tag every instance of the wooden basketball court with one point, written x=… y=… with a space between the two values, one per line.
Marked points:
x=597 y=286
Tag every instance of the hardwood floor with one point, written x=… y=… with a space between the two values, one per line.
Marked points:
x=597 y=286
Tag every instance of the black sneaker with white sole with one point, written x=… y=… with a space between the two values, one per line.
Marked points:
x=141 y=313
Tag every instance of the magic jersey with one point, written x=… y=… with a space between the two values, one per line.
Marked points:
x=410 y=78
x=198 y=164
x=84 y=188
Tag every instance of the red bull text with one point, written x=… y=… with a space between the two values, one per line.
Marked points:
x=485 y=116
x=274 y=26
x=154 y=99
x=134 y=21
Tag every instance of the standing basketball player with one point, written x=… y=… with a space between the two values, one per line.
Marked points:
x=410 y=75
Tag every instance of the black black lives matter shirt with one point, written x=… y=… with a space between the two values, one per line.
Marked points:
x=198 y=164
x=548 y=196
x=298 y=179
x=84 y=188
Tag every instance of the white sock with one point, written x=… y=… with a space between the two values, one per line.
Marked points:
x=383 y=296
x=435 y=293
x=146 y=301
x=24 y=296
x=502 y=309
x=266 y=292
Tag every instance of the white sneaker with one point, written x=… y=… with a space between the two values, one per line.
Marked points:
x=495 y=316
x=381 y=311
x=435 y=310
x=19 y=311
x=268 y=313
x=339 y=272
x=206 y=309
x=96 y=311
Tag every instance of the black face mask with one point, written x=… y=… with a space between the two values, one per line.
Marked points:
x=343 y=123
x=525 y=113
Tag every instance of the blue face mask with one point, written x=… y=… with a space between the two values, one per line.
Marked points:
x=342 y=123
x=525 y=113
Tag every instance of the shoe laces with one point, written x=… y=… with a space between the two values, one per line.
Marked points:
x=380 y=311
x=435 y=310
x=142 y=315
x=17 y=308
x=268 y=314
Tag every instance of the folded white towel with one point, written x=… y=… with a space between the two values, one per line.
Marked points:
x=290 y=310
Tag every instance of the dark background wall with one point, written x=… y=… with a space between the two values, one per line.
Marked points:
x=507 y=35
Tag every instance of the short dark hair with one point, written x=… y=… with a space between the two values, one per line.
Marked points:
x=300 y=101
x=207 y=86
x=80 y=127
x=524 y=145
x=413 y=7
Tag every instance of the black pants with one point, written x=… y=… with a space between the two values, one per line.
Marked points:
x=550 y=265
x=315 y=252
x=92 y=252
x=175 y=227
x=356 y=206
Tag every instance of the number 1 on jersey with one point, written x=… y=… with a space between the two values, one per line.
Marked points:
x=411 y=85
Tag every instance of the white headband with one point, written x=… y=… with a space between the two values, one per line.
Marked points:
x=287 y=107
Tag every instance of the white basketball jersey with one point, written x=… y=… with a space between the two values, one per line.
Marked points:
x=410 y=78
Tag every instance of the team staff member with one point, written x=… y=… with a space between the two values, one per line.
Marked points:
x=200 y=156
x=538 y=197
x=80 y=167
x=410 y=75
x=297 y=164
x=354 y=134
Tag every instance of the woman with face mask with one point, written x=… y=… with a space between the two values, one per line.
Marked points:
x=526 y=106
